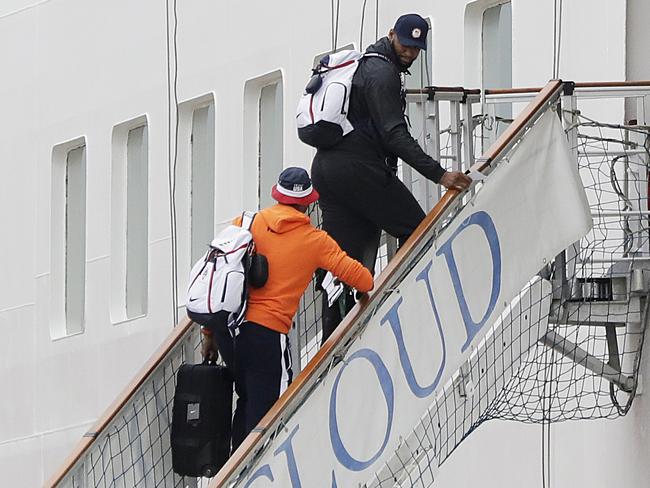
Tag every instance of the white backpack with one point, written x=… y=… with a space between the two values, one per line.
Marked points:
x=218 y=279
x=322 y=114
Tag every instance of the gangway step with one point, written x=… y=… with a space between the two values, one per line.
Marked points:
x=618 y=313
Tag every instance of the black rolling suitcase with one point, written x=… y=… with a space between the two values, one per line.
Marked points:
x=201 y=419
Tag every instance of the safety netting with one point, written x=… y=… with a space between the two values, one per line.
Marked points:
x=600 y=288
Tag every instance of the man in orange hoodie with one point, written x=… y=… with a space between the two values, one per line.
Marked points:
x=259 y=355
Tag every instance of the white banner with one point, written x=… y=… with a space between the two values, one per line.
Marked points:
x=530 y=208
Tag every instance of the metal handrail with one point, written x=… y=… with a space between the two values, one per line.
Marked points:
x=293 y=396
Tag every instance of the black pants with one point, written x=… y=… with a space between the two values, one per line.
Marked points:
x=260 y=361
x=358 y=199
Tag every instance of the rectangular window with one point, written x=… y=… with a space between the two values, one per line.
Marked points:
x=68 y=239
x=497 y=54
x=270 y=139
x=202 y=180
x=263 y=138
x=497 y=47
x=75 y=239
x=129 y=220
x=136 y=222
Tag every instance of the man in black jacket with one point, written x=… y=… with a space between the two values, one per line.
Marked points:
x=360 y=192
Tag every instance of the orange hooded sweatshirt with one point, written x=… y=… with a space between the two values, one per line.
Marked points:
x=294 y=249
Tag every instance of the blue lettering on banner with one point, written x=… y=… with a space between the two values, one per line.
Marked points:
x=386 y=383
x=334 y=484
x=483 y=220
x=287 y=448
x=392 y=317
x=262 y=471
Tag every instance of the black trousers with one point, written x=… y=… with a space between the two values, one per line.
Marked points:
x=358 y=199
x=260 y=360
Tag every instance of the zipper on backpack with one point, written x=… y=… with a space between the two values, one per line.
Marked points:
x=210 y=287
x=345 y=94
x=225 y=285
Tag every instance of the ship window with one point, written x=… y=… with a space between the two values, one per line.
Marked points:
x=497 y=55
x=263 y=138
x=75 y=239
x=269 y=163
x=202 y=180
x=68 y=245
x=129 y=221
x=497 y=47
x=136 y=222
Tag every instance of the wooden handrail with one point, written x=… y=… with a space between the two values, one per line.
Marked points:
x=583 y=84
x=612 y=84
x=510 y=91
x=430 y=91
x=347 y=327
x=111 y=412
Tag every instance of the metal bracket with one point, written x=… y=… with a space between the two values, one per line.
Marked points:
x=568 y=87
x=579 y=356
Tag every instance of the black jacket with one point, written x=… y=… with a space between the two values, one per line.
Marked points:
x=376 y=112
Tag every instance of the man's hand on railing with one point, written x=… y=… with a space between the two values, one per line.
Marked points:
x=455 y=180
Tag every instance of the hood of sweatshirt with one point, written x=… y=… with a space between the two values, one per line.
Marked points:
x=283 y=218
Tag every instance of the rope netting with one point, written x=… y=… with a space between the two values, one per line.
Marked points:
x=600 y=287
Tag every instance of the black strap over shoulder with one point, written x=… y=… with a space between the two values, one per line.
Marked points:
x=376 y=55
x=247 y=219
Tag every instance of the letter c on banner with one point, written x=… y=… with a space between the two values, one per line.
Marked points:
x=483 y=220
x=386 y=383
x=287 y=448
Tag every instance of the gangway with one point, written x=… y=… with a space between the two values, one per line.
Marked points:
x=419 y=361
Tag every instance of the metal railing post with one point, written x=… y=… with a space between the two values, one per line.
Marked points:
x=455 y=132
x=432 y=127
x=467 y=134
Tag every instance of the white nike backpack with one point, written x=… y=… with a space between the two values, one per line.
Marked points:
x=322 y=115
x=218 y=279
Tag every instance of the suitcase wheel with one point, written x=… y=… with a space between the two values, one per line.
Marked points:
x=209 y=470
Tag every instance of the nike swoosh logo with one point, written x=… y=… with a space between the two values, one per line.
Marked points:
x=193 y=299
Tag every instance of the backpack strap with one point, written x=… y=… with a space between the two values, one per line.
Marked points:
x=376 y=55
x=402 y=79
x=381 y=56
x=236 y=318
x=247 y=219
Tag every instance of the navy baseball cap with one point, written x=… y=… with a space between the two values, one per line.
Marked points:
x=294 y=187
x=412 y=30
